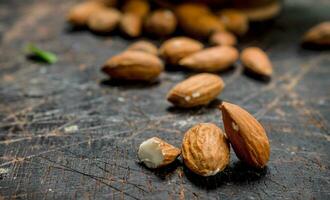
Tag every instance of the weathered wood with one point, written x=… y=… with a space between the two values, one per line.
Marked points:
x=38 y=102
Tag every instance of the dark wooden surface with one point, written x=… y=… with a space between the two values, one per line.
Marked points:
x=40 y=160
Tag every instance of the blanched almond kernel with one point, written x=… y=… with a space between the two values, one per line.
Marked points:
x=78 y=15
x=318 y=35
x=197 y=90
x=234 y=20
x=144 y=46
x=104 y=20
x=174 y=49
x=257 y=61
x=155 y=153
x=223 y=38
x=161 y=23
x=211 y=59
x=133 y=65
x=205 y=149
x=246 y=135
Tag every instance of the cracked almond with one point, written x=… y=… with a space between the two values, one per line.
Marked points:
x=257 y=61
x=156 y=153
x=205 y=149
x=246 y=135
x=197 y=90
x=133 y=65
x=211 y=59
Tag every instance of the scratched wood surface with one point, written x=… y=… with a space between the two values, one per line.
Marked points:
x=41 y=158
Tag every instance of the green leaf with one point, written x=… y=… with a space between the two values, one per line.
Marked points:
x=45 y=56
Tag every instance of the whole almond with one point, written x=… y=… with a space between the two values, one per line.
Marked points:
x=205 y=149
x=257 y=61
x=211 y=59
x=197 y=90
x=137 y=7
x=156 y=153
x=104 y=21
x=174 y=49
x=109 y=3
x=133 y=65
x=79 y=14
x=144 y=46
x=161 y=23
x=246 y=135
x=318 y=35
x=223 y=38
x=262 y=12
x=235 y=21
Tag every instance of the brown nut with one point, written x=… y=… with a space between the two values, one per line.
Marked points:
x=235 y=21
x=79 y=14
x=144 y=46
x=262 y=12
x=174 y=49
x=205 y=149
x=318 y=35
x=104 y=21
x=156 y=153
x=246 y=135
x=131 y=25
x=211 y=59
x=257 y=61
x=161 y=23
x=223 y=38
x=137 y=7
x=133 y=65
x=197 y=90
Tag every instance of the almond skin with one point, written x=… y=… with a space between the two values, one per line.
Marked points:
x=257 y=61
x=223 y=38
x=176 y=48
x=205 y=149
x=156 y=153
x=246 y=135
x=197 y=90
x=161 y=23
x=211 y=59
x=133 y=65
x=79 y=14
x=318 y=35
x=235 y=21
x=104 y=21
x=144 y=46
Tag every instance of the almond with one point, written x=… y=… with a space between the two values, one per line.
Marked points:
x=318 y=35
x=223 y=38
x=174 y=49
x=155 y=153
x=211 y=59
x=161 y=23
x=137 y=7
x=262 y=12
x=133 y=65
x=257 y=61
x=79 y=14
x=197 y=20
x=104 y=21
x=144 y=46
x=197 y=90
x=234 y=20
x=205 y=149
x=246 y=135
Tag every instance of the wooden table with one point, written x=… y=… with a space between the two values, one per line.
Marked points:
x=69 y=133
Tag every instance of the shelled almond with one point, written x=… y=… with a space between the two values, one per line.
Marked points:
x=144 y=46
x=235 y=21
x=257 y=61
x=161 y=23
x=104 y=21
x=223 y=38
x=79 y=14
x=318 y=35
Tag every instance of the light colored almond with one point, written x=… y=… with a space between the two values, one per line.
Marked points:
x=205 y=149
x=133 y=65
x=318 y=35
x=257 y=61
x=144 y=46
x=161 y=23
x=174 y=49
x=234 y=20
x=223 y=38
x=211 y=59
x=197 y=90
x=104 y=21
x=156 y=153
x=79 y=14
x=246 y=135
